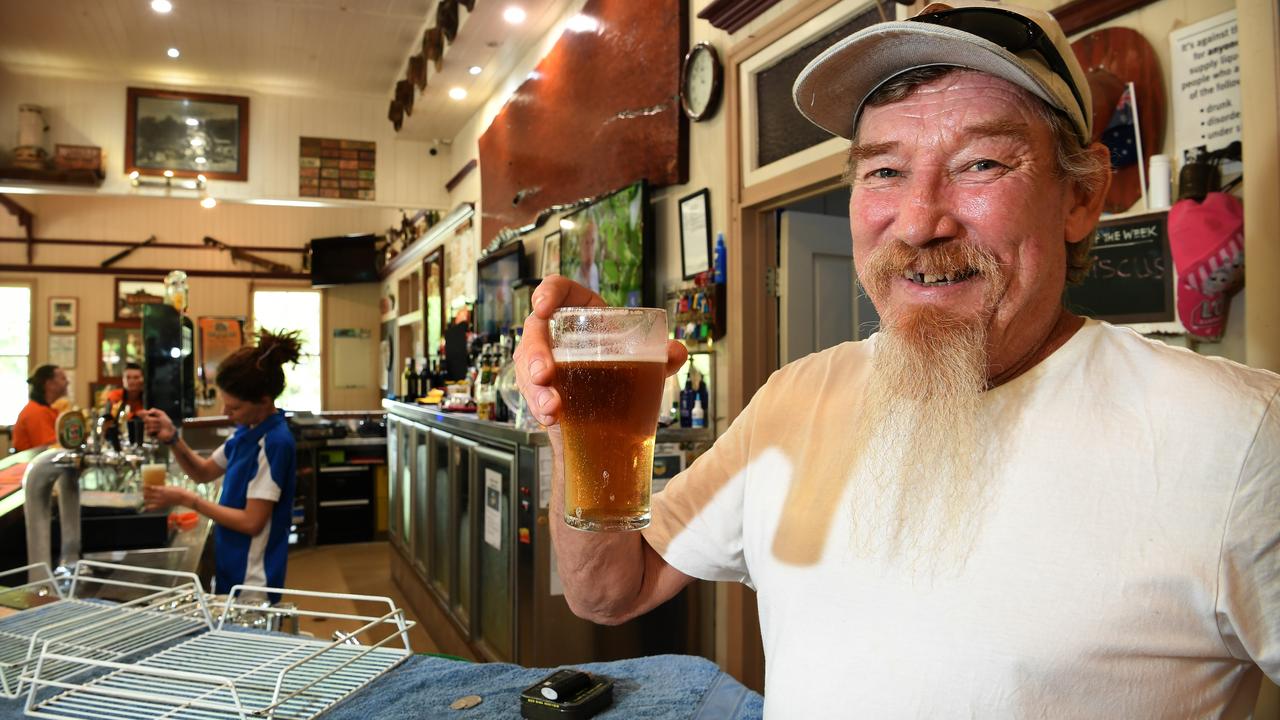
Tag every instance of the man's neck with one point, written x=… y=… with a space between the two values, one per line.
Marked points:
x=1059 y=333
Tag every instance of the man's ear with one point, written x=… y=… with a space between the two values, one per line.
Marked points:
x=1088 y=197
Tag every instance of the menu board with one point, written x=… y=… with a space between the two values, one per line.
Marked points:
x=1131 y=280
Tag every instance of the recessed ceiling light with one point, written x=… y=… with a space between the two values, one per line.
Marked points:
x=457 y=93
x=173 y=52
x=200 y=160
x=168 y=173
x=208 y=203
x=193 y=122
x=475 y=69
x=514 y=14
x=567 y=224
x=161 y=6
x=197 y=141
x=583 y=23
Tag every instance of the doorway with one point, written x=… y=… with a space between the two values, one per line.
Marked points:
x=820 y=301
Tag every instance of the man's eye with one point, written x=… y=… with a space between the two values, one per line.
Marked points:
x=985 y=165
x=882 y=173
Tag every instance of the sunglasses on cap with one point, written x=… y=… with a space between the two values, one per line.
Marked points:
x=1010 y=31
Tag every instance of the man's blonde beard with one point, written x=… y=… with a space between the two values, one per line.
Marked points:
x=919 y=495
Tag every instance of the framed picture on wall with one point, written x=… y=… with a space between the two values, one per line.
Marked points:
x=62 y=314
x=187 y=133
x=133 y=293
x=551 y=254
x=695 y=233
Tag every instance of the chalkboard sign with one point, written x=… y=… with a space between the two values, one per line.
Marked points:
x=1132 y=276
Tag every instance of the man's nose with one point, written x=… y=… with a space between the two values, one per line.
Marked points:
x=924 y=212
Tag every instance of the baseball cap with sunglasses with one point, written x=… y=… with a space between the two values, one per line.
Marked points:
x=1024 y=46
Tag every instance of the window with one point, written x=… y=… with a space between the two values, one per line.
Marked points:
x=15 y=350
x=277 y=310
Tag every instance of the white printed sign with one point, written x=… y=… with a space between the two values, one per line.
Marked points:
x=493 y=508
x=1206 y=86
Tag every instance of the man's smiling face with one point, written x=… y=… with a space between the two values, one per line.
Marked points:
x=957 y=203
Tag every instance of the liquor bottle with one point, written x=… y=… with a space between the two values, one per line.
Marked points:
x=687 y=397
x=698 y=417
x=410 y=381
x=425 y=382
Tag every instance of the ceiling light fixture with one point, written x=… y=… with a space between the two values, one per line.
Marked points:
x=567 y=224
x=208 y=202
x=582 y=23
x=475 y=69
x=192 y=122
x=514 y=14
x=173 y=52
x=200 y=160
x=457 y=93
x=168 y=173
x=161 y=6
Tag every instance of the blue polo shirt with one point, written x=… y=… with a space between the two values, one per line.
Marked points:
x=260 y=463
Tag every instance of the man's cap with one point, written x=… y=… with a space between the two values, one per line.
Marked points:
x=833 y=88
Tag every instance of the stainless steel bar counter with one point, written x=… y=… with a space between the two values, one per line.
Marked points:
x=468 y=521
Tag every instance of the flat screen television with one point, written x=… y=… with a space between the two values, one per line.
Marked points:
x=344 y=260
x=495 y=296
x=605 y=246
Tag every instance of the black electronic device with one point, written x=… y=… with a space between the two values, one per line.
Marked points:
x=497 y=274
x=566 y=693
x=168 y=363
x=344 y=260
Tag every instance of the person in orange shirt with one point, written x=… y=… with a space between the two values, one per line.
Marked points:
x=130 y=394
x=35 y=423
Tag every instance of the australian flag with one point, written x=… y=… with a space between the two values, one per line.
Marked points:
x=1121 y=135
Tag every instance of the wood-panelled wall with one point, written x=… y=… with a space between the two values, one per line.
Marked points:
x=183 y=221
x=82 y=112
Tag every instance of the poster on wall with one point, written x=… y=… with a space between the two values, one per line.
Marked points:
x=330 y=168
x=1205 y=60
x=219 y=337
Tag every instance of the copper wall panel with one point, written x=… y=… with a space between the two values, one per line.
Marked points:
x=602 y=110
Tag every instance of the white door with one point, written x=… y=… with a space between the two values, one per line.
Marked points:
x=818 y=298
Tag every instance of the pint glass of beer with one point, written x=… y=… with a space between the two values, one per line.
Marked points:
x=154 y=473
x=610 y=367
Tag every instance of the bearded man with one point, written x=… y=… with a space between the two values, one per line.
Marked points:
x=993 y=507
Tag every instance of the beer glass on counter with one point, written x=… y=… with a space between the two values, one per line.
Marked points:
x=610 y=368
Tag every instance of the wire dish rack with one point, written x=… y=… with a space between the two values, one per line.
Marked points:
x=73 y=626
x=231 y=673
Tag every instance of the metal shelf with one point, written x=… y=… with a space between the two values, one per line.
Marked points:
x=229 y=673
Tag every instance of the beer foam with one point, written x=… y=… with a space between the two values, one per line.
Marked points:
x=593 y=355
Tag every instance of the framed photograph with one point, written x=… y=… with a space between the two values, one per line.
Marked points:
x=63 y=313
x=695 y=233
x=187 y=133
x=133 y=293
x=62 y=351
x=551 y=254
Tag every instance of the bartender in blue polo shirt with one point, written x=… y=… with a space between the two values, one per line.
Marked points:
x=251 y=538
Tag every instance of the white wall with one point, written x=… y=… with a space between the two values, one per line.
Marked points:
x=83 y=112
x=183 y=221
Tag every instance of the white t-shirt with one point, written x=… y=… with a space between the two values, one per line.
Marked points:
x=1128 y=564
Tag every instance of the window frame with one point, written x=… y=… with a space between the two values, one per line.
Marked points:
x=31 y=325
x=255 y=288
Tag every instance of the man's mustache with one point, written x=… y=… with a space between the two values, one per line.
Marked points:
x=894 y=259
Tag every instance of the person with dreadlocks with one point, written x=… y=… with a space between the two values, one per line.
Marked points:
x=251 y=536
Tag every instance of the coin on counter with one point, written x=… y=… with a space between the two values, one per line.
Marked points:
x=468 y=701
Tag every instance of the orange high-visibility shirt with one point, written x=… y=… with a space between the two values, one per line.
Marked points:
x=34 y=426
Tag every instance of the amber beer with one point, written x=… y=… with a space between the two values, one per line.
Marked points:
x=154 y=474
x=610 y=367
